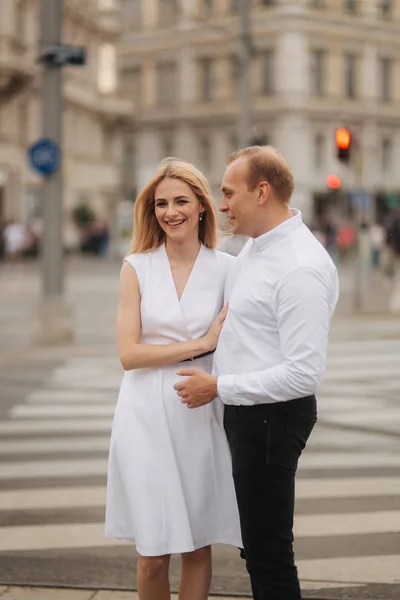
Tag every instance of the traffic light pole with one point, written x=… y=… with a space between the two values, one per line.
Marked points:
x=54 y=315
x=52 y=128
x=362 y=228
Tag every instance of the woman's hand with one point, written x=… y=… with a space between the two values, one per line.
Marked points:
x=212 y=337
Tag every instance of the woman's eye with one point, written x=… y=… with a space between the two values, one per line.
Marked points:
x=160 y=204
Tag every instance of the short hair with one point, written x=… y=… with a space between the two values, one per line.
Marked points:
x=147 y=233
x=265 y=163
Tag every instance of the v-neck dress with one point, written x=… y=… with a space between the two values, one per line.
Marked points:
x=170 y=487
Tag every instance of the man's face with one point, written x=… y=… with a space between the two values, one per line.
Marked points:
x=238 y=203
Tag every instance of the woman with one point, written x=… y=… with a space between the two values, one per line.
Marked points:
x=170 y=487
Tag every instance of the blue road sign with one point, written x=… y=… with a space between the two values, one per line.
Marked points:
x=45 y=156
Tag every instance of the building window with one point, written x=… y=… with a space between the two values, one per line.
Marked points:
x=318 y=65
x=168 y=12
x=167 y=144
x=318 y=3
x=107 y=4
x=107 y=69
x=350 y=75
x=267 y=2
x=386 y=71
x=208 y=8
x=351 y=6
x=234 y=5
x=234 y=69
x=267 y=72
x=166 y=83
x=131 y=15
x=131 y=85
x=20 y=23
x=385 y=8
x=206 y=79
x=205 y=153
x=319 y=151
x=233 y=142
x=387 y=155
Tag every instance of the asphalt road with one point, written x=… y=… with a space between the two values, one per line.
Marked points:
x=56 y=409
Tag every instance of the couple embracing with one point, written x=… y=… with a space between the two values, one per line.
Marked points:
x=222 y=359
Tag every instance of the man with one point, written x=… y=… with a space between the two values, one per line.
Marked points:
x=270 y=358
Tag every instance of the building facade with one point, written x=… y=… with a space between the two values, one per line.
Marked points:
x=93 y=113
x=316 y=65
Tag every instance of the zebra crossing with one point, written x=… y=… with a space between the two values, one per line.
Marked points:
x=53 y=462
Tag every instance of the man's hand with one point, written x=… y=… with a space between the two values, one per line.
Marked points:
x=198 y=389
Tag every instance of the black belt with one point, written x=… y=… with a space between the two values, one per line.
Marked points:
x=198 y=356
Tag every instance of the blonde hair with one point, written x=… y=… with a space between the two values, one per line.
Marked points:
x=266 y=164
x=147 y=233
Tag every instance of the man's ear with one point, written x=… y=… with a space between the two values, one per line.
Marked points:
x=263 y=192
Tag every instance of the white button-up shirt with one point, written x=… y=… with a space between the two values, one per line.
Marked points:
x=282 y=292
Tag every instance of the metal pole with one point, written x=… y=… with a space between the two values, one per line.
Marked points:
x=54 y=315
x=244 y=55
x=52 y=128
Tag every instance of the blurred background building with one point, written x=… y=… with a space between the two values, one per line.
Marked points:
x=316 y=65
x=93 y=112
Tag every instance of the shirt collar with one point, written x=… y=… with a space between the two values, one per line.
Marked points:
x=267 y=239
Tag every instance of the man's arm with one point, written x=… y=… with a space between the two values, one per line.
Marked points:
x=302 y=305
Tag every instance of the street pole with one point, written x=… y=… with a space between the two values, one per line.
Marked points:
x=54 y=314
x=52 y=128
x=362 y=228
x=244 y=92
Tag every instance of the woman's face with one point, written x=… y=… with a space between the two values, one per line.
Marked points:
x=177 y=209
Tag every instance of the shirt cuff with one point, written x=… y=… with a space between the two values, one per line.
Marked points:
x=225 y=387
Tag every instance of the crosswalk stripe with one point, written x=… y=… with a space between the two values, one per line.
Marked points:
x=361 y=371
x=38 y=412
x=348 y=362
x=53 y=498
x=56 y=426
x=367 y=569
x=306 y=489
x=345 y=460
x=46 y=537
x=55 y=444
x=69 y=396
x=347 y=488
x=53 y=468
x=347 y=524
x=87 y=467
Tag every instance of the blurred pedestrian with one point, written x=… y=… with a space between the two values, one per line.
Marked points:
x=377 y=243
x=14 y=239
x=393 y=242
x=170 y=485
x=270 y=358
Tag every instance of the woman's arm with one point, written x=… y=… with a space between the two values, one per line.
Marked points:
x=133 y=354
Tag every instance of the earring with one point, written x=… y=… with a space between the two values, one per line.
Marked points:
x=201 y=216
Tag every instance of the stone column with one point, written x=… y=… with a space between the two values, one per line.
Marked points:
x=292 y=68
x=148 y=153
x=292 y=132
x=150 y=14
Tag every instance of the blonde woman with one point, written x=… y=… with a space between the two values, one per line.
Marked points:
x=170 y=487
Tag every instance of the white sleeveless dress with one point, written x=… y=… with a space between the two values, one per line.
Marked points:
x=170 y=487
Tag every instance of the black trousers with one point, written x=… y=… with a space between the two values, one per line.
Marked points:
x=266 y=441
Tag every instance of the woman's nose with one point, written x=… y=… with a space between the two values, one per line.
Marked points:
x=171 y=209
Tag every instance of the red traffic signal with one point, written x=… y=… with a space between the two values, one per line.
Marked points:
x=333 y=182
x=343 y=143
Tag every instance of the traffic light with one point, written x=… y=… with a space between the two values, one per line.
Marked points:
x=343 y=144
x=333 y=182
